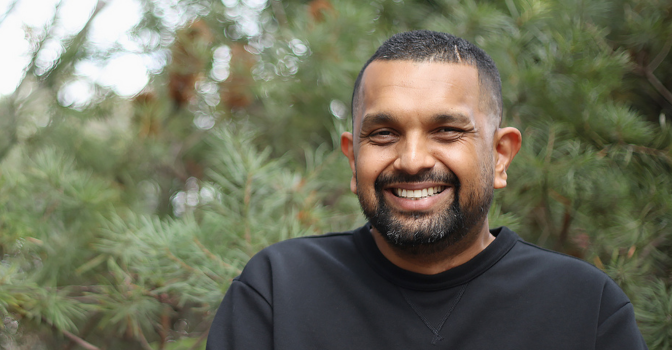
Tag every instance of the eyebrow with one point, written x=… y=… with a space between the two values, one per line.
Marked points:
x=370 y=120
x=377 y=118
x=455 y=117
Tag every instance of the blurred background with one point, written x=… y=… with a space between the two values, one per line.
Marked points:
x=148 y=148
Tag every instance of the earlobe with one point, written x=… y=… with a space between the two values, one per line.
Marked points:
x=507 y=143
x=348 y=149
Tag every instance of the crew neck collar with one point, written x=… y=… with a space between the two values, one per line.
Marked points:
x=504 y=241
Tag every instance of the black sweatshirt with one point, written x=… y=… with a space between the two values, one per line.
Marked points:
x=337 y=291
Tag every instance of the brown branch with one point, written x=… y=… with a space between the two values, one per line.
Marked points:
x=172 y=170
x=566 y=220
x=142 y=339
x=638 y=149
x=279 y=12
x=85 y=299
x=82 y=289
x=324 y=164
x=647 y=71
x=200 y=340
x=246 y=202
x=658 y=85
x=163 y=328
x=212 y=256
x=81 y=342
x=661 y=55
x=564 y=231
x=652 y=245
x=549 y=147
x=651 y=151
x=172 y=257
x=193 y=139
x=90 y=326
x=49 y=210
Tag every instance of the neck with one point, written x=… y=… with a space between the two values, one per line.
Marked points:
x=432 y=261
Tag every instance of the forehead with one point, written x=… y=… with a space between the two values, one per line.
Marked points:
x=407 y=89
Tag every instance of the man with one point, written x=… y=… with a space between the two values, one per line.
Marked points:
x=426 y=153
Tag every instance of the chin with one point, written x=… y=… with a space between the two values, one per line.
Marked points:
x=408 y=230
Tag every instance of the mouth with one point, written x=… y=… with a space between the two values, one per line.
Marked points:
x=415 y=194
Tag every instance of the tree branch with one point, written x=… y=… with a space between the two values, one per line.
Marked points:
x=90 y=326
x=279 y=12
x=189 y=268
x=81 y=342
x=566 y=220
x=200 y=340
x=658 y=85
x=647 y=71
x=10 y=8
x=77 y=40
x=143 y=340
x=652 y=245
x=661 y=55
x=651 y=151
x=212 y=256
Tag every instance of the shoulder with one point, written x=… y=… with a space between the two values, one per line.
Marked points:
x=301 y=248
x=542 y=260
x=328 y=241
x=298 y=257
x=569 y=274
x=564 y=290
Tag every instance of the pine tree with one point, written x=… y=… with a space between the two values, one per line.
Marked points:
x=125 y=219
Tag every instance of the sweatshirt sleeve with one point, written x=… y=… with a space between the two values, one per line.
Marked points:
x=243 y=321
x=617 y=329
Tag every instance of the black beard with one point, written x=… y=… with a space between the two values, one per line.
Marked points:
x=445 y=229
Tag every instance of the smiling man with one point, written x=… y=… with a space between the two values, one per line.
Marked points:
x=426 y=157
x=426 y=272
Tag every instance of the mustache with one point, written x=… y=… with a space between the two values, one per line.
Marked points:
x=423 y=176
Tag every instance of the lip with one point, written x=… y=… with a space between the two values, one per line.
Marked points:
x=423 y=204
x=415 y=185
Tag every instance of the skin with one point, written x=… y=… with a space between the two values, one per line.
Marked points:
x=425 y=116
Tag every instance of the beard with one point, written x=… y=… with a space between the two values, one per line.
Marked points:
x=418 y=232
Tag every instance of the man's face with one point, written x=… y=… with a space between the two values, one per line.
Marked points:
x=422 y=152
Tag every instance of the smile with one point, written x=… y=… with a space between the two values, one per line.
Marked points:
x=418 y=194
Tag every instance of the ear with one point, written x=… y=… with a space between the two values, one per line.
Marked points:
x=347 y=147
x=506 y=145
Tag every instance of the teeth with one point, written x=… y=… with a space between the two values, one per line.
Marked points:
x=418 y=194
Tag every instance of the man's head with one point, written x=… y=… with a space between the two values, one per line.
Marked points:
x=426 y=151
x=430 y=46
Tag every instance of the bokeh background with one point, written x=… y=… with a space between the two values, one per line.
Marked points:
x=148 y=148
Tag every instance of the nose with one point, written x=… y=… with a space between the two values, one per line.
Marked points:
x=414 y=155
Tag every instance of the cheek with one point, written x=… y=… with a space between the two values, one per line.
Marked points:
x=366 y=176
x=481 y=170
x=459 y=159
x=370 y=165
x=466 y=163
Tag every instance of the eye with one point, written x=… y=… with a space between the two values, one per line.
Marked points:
x=382 y=136
x=382 y=133
x=447 y=133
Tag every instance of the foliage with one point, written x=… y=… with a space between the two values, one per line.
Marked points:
x=124 y=220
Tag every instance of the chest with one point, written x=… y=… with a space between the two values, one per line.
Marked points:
x=346 y=314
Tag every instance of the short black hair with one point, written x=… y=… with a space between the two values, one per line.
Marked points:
x=430 y=46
